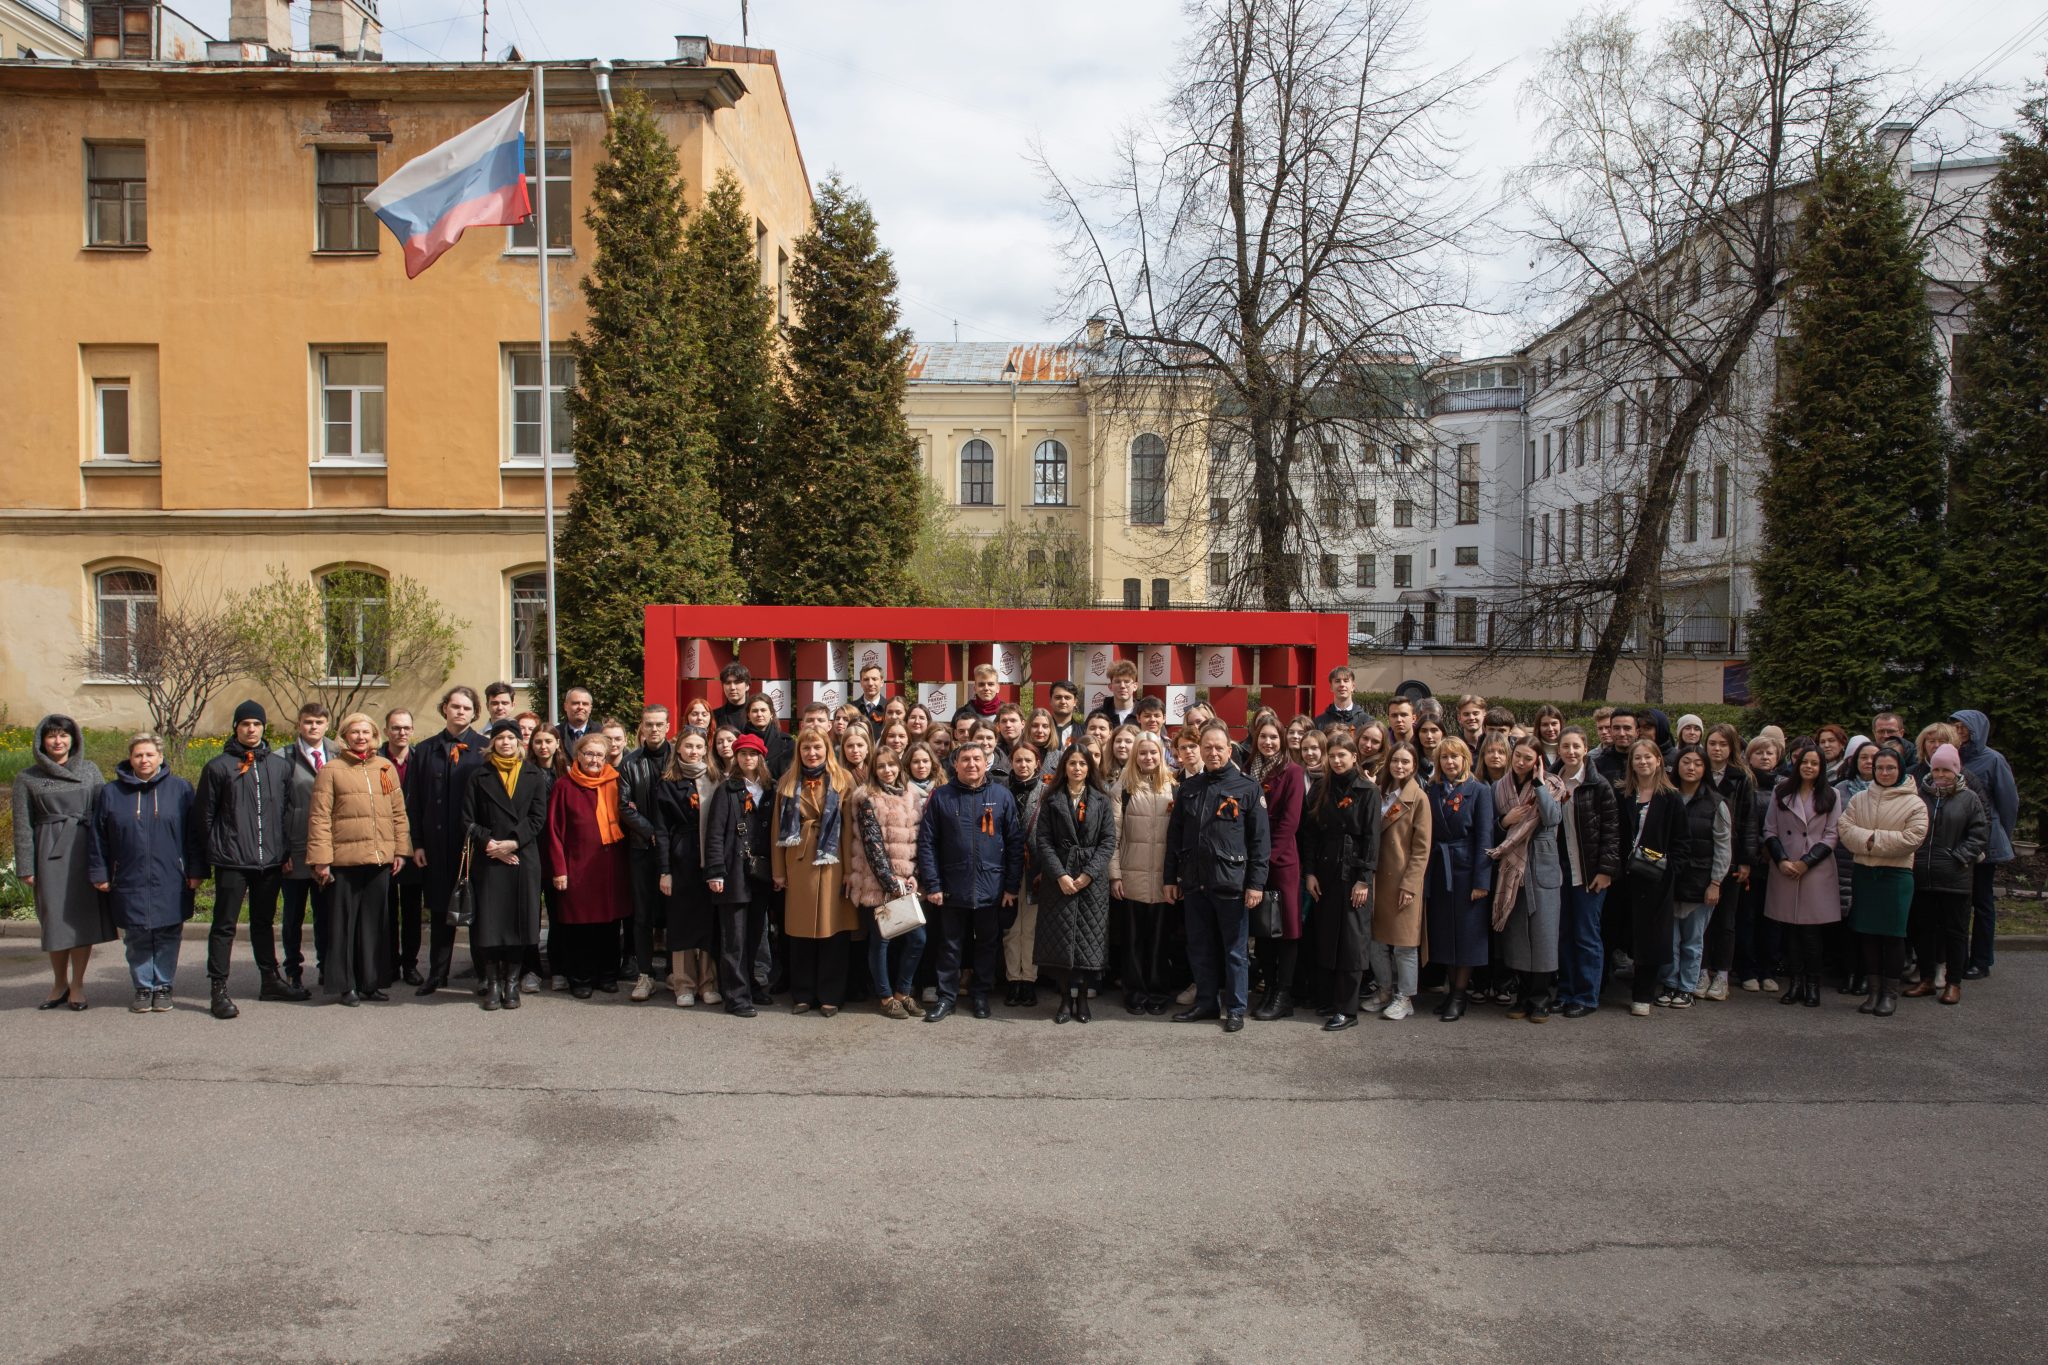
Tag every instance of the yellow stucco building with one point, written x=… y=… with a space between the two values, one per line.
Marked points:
x=213 y=363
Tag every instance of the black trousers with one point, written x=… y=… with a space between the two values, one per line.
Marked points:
x=357 y=957
x=585 y=953
x=1649 y=927
x=1940 y=922
x=650 y=907
x=441 y=945
x=230 y=886
x=957 y=926
x=1144 y=955
x=1983 y=915
x=1720 y=949
x=402 y=923
x=817 y=969
x=1884 y=957
x=740 y=931
x=298 y=894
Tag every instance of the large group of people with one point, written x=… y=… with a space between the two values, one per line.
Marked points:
x=1488 y=858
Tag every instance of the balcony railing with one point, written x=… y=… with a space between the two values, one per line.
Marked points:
x=1475 y=400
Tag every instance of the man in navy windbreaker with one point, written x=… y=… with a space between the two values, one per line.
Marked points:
x=970 y=858
x=1218 y=846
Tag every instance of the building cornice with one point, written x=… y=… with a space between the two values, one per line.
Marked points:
x=256 y=521
x=570 y=84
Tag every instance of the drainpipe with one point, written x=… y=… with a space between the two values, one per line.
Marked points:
x=601 y=70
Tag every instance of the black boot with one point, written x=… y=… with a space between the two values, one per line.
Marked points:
x=223 y=1008
x=509 y=973
x=492 y=998
x=1887 y=998
x=1812 y=1000
x=1859 y=984
x=1453 y=1008
x=1278 y=1004
x=275 y=987
x=1869 y=1005
x=1065 y=1013
x=1264 y=1009
x=1081 y=1014
x=1795 y=990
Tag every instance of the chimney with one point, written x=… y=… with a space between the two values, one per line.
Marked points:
x=1096 y=326
x=1896 y=140
x=692 y=50
x=348 y=28
x=268 y=22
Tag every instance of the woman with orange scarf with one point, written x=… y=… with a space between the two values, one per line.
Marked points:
x=587 y=850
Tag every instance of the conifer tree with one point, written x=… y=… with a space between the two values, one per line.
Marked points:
x=1850 y=595
x=642 y=527
x=834 y=490
x=1998 y=509
x=732 y=317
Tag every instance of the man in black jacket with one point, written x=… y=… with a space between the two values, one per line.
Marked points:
x=238 y=836
x=1122 y=702
x=1218 y=846
x=1342 y=710
x=639 y=771
x=576 y=704
x=1610 y=760
x=307 y=755
x=736 y=683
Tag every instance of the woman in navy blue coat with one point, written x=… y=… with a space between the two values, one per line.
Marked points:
x=139 y=859
x=1460 y=873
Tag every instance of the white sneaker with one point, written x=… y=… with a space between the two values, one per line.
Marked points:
x=559 y=983
x=1638 y=1009
x=1378 y=1002
x=1770 y=984
x=711 y=997
x=643 y=988
x=685 y=999
x=1186 y=997
x=1399 y=1009
x=1750 y=983
x=1717 y=989
x=530 y=983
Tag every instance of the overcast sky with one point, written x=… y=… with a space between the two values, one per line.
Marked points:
x=929 y=107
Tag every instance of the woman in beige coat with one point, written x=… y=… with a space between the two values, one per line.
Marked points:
x=1142 y=800
x=357 y=838
x=807 y=828
x=1398 y=884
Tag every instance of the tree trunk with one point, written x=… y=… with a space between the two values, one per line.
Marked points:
x=1653 y=646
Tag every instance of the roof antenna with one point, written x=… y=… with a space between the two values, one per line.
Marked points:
x=956 y=331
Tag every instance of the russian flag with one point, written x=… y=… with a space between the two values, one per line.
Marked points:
x=475 y=179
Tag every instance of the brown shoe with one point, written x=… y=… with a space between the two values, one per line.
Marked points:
x=1925 y=986
x=911 y=1006
x=1952 y=994
x=892 y=1008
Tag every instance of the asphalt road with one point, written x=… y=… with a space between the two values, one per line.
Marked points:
x=602 y=1181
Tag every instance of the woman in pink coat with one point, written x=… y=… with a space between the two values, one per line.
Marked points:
x=1799 y=836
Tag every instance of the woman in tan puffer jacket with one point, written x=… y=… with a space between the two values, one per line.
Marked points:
x=1142 y=800
x=356 y=840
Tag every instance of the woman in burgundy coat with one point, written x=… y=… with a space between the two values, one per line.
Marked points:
x=1284 y=785
x=587 y=853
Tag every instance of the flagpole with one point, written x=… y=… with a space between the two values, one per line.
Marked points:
x=547 y=374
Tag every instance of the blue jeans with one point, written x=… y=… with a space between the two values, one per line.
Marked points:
x=153 y=956
x=1581 y=958
x=1217 y=929
x=906 y=949
x=1688 y=942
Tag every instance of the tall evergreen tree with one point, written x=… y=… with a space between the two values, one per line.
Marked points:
x=642 y=526
x=1850 y=594
x=732 y=316
x=833 y=491
x=1998 y=508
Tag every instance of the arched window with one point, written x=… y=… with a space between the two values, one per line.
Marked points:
x=124 y=609
x=529 y=625
x=978 y=473
x=1148 y=480
x=354 y=606
x=1049 y=474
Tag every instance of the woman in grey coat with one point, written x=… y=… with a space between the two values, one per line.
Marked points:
x=1528 y=881
x=1072 y=844
x=52 y=805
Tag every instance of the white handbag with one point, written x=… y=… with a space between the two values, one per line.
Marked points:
x=898 y=916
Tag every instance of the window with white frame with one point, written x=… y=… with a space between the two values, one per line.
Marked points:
x=978 y=473
x=1404 y=512
x=1720 y=501
x=1465 y=556
x=1365 y=571
x=112 y=439
x=523 y=375
x=1049 y=474
x=124 y=609
x=561 y=207
x=1219 y=571
x=1465 y=620
x=354 y=610
x=1404 y=571
x=1368 y=513
x=529 y=625
x=1468 y=484
x=351 y=406
x=1148 y=480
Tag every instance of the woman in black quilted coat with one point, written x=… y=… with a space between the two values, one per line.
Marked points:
x=1071 y=848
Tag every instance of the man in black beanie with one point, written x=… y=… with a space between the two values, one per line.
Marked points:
x=238 y=838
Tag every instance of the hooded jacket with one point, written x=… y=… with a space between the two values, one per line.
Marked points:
x=970 y=845
x=238 y=812
x=1958 y=829
x=138 y=847
x=53 y=805
x=1991 y=775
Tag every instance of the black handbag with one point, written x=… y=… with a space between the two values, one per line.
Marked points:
x=1646 y=865
x=1266 y=919
x=462 y=900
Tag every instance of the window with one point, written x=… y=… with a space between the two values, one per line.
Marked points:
x=116 y=194
x=1429 y=623
x=561 y=205
x=1465 y=556
x=1404 y=454
x=1465 y=620
x=1326 y=571
x=352 y=406
x=781 y=287
x=1148 y=480
x=110 y=411
x=529 y=626
x=1219 y=511
x=125 y=603
x=1404 y=571
x=1371 y=452
x=1579 y=531
x=1404 y=512
x=1546 y=537
x=1368 y=512
x=1585 y=424
x=1720 y=501
x=1547 y=466
x=1219 y=571
x=526 y=401
x=1564 y=449
x=345 y=222
x=1692 y=507
x=353 y=607
x=123 y=32
x=1049 y=474
x=1365 y=571
x=1614 y=509
x=1468 y=484
x=978 y=473
x=1620 y=424
x=1529 y=464
x=1330 y=512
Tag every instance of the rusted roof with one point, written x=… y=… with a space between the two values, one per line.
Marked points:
x=983 y=362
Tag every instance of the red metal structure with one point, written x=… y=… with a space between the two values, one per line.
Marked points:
x=1293 y=651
